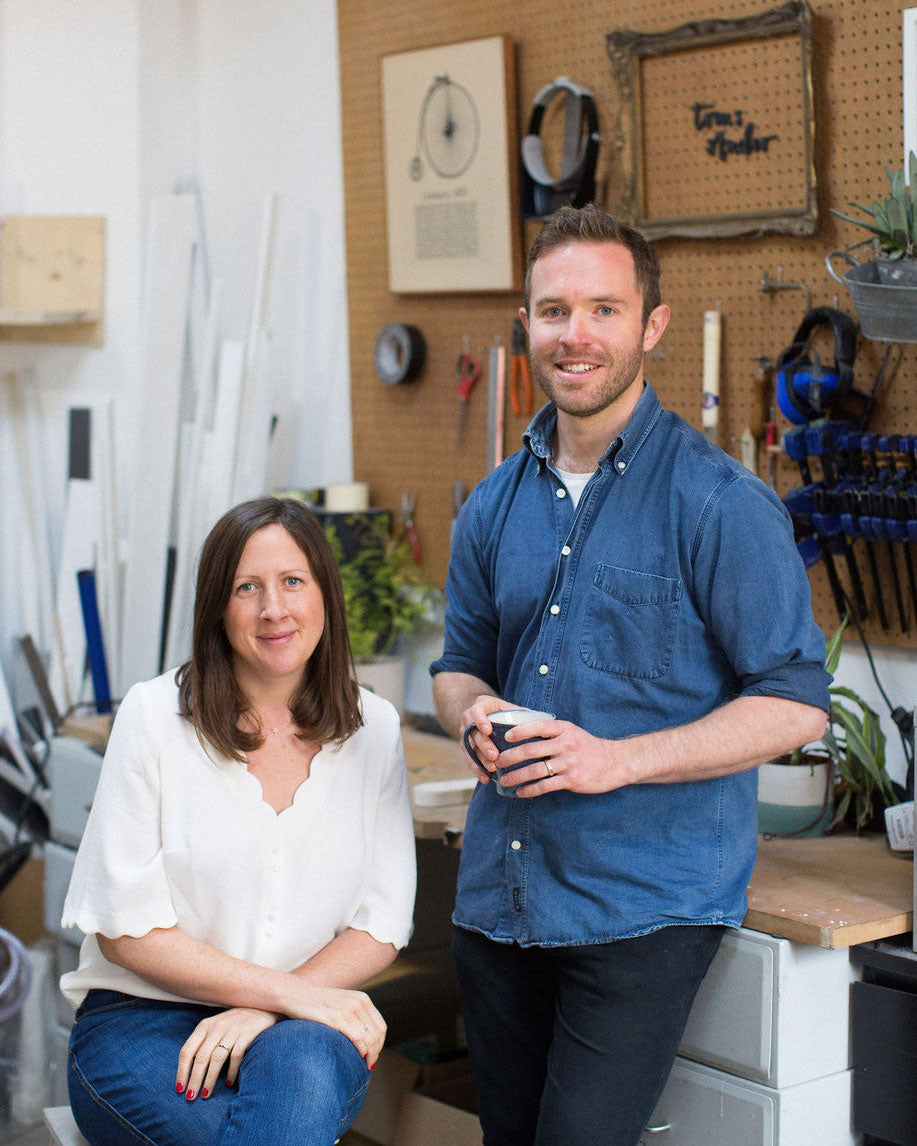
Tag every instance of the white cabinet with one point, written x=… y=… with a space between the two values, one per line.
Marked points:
x=701 y=1105
x=769 y=1039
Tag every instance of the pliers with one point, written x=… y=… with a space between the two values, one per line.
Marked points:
x=519 y=369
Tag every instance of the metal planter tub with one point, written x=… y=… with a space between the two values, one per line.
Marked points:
x=887 y=313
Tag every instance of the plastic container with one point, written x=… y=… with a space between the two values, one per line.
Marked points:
x=15 y=979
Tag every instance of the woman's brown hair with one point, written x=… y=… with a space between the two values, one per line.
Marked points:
x=326 y=705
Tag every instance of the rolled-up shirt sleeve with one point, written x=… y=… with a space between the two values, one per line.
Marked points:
x=119 y=885
x=755 y=596
x=472 y=626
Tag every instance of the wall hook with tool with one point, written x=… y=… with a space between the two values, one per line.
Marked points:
x=769 y=286
x=710 y=399
x=408 y=505
x=496 y=392
x=519 y=372
x=467 y=372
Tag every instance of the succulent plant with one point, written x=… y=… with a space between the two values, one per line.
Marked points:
x=892 y=225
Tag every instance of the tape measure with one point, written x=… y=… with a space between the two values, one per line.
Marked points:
x=399 y=354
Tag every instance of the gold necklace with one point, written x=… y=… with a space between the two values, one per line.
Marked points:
x=270 y=729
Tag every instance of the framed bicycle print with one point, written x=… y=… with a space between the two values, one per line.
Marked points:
x=450 y=168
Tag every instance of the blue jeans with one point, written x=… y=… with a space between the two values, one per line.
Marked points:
x=300 y=1083
x=572 y=1046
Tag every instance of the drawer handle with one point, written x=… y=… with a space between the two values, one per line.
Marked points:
x=659 y=1129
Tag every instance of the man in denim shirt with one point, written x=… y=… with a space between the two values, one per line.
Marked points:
x=626 y=575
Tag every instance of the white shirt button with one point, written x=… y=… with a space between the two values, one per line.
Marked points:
x=543 y=669
x=515 y=845
x=555 y=609
x=561 y=492
x=566 y=551
x=621 y=466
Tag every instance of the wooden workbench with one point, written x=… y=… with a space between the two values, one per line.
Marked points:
x=828 y=891
x=831 y=891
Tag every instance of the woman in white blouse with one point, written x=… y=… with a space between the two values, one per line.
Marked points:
x=247 y=864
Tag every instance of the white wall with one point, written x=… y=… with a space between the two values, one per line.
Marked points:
x=897 y=670
x=270 y=122
x=107 y=102
x=69 y=144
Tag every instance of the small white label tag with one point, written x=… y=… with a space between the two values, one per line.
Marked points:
x=899 y=825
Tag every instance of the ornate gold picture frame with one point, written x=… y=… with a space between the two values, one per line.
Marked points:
x=717 y=127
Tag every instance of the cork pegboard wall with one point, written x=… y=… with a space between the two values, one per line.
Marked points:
x=405 y=435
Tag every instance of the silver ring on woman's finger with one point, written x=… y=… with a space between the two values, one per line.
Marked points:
x=547 y=765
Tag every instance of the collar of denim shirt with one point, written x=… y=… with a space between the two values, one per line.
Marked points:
x=621 y=451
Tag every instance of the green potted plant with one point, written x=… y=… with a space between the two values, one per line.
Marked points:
x=387 y=597
x=892 y=227
x=883 y=289
x=855 y=742
x=842 y=779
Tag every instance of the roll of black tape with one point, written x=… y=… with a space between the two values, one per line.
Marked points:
x=400 y=352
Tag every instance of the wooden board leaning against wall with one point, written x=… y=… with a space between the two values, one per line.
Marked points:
x=404 y=436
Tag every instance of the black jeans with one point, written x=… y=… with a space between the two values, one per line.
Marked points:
x=572 y=1046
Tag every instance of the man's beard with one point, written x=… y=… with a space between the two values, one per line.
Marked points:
x=617 y=374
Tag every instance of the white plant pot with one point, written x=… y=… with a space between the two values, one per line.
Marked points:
x=384 y=676
x=791 y=797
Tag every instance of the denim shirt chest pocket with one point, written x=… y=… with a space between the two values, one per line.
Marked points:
x=630 y=622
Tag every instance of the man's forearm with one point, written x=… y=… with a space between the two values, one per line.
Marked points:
x=453 y=693
x=742 y=734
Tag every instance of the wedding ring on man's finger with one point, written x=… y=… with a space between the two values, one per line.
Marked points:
x=547 y=765
x=224 y=1046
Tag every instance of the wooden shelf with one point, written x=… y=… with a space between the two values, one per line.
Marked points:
x=24 y=316
x=52 y=274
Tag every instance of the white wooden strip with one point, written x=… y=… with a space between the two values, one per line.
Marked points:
x=909 y=86
x=78 y=551
x=167 y=277
x=257 y=391
x=191 y=504
x=34 y=553
x=7 y=716
x=107 y=565
x=221 y=441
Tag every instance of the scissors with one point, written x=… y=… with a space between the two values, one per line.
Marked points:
x=519 y=370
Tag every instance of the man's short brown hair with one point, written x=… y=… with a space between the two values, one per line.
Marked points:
x=590 y=224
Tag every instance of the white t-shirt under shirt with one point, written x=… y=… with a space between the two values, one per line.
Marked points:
x=180 y=837
x=575 y=484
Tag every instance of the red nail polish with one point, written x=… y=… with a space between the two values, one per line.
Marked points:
x=190 y=1096
x=229 y=1082
x=373 y=1067
x=205 y=1093
x=179 y=1087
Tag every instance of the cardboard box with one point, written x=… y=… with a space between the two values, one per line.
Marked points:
x=425 y=1121
x=413 y=1103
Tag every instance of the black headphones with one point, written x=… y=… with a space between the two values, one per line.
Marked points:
x=804 y=389
x=542 y=194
